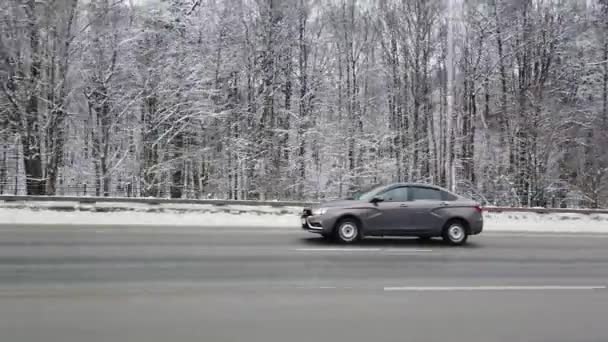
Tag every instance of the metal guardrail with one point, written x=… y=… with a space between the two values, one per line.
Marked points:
x=159 y=201
x=150 y=201
x=545 y=210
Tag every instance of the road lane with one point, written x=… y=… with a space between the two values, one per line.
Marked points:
x=235 y=284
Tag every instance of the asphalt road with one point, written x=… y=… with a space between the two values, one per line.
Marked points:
x=239 y=284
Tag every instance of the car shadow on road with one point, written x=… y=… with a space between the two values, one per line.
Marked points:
x=393 y=242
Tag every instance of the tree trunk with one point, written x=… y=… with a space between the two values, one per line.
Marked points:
x=502 y=118
x=31 y=141
x=177 y=175
x=605 y=85
x=55 y=134
x=302 y=102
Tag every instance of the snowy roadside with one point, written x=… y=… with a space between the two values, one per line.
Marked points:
x=548 y=223
x=176 y=215
x=139 y=214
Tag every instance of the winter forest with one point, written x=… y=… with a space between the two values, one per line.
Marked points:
x=504 y=101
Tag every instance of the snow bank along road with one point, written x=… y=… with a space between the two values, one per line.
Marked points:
x=205 y=215
x=157 y=283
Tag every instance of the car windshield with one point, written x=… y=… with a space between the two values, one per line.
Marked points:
x=368 y=195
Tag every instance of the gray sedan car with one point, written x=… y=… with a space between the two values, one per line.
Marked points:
x=397 y=210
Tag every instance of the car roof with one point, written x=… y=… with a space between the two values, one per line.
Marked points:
x=422 y=185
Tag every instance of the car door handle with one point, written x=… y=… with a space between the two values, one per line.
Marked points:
x=403 y=205
x=445 y=204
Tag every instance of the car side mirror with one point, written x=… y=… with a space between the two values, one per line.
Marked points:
x=377 y=199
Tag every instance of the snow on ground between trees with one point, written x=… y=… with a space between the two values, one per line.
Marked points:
x=192 y=215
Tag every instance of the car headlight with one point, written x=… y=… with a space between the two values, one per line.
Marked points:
x=319 y=211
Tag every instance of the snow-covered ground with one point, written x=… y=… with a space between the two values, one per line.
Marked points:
x=554 y=222
x=137 y=214
x=176 y=215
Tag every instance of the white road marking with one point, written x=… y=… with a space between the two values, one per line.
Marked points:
x=495 y=288
x=362 y=249
x=338 y=249
x=151 y=231
x=564 y=235
x=406 y=250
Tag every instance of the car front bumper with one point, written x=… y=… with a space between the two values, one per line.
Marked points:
x=322 y=224
x=312 y=223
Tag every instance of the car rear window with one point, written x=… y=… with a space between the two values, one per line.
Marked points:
x=448 y=196
x=420 y=193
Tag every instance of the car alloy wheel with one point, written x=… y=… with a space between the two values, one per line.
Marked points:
x=348 y=231
x=455 y=234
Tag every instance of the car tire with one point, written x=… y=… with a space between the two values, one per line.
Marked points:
x=347 y=231
x=455 y=233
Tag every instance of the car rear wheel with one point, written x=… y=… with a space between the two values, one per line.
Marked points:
x=347 y=231
x=455 y=233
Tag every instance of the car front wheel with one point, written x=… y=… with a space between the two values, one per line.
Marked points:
x=455 y=233
x=347 y=231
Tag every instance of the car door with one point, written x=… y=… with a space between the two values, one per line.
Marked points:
x=392 y=213
x=425 y=203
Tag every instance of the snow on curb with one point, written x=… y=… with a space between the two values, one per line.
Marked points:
x=135 y=218
x=182 y=215
x=549 y=222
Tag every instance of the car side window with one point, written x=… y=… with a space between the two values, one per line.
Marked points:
x=428 y=194
x=395 y=195
x=446 y=196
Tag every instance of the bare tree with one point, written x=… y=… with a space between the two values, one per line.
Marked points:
x=502 y=100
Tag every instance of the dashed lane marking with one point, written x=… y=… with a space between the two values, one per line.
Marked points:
x=495 y=288
x=363 y=249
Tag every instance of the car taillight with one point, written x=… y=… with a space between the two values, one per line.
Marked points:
x=478 y=208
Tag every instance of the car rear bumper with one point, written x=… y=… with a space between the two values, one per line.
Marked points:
x=477 y=227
